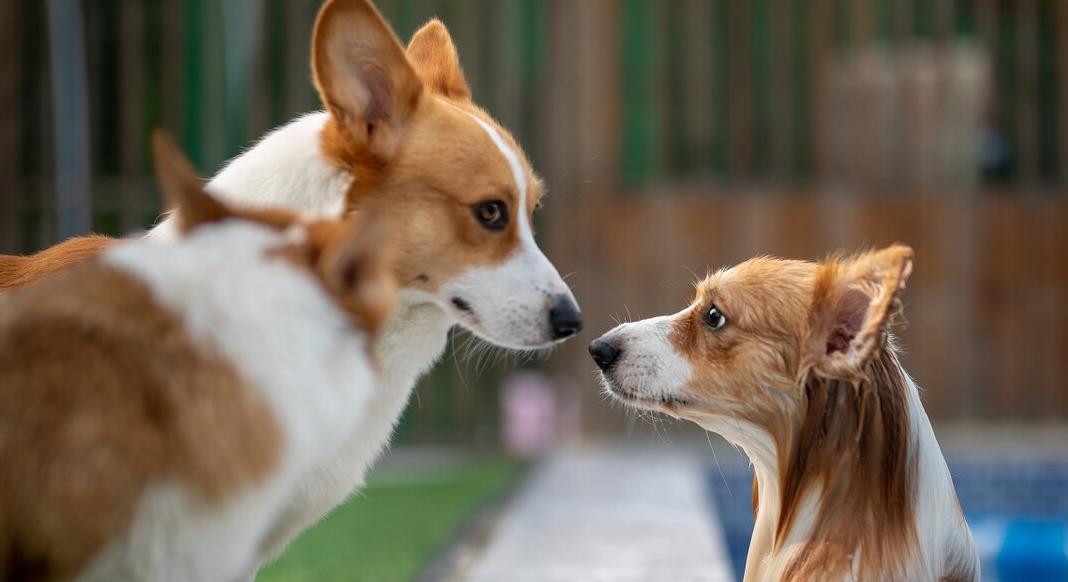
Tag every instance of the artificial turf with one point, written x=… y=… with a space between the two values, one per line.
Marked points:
x=394 y=527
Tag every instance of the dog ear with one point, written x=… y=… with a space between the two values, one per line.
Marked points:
x=182 y=188
x=363 y=76
x=852 y=305
x=434 y=57
x=357 y=266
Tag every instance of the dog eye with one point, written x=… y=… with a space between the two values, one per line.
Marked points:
x=715 y=319
x=492 y=214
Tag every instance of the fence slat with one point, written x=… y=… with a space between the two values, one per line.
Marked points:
x=1058 y=217
x=132 y=116
x=39 y=186
x=782 y=86
x=943 y=22
x=1061 y=42
x=697 y=70
x=869 y=152
x=299 y=95
x=508 y=71
x=172 y=67
x=739 y=92
x=1027 y=106
x=10 y=125
x=819 y=80
x=70 y=129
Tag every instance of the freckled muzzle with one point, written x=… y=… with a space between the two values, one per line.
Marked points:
x=639 y=365
x=522 y=303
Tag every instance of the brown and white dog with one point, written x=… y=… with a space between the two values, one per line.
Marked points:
x=793 y=362
x=161 y=405
x=402 y=137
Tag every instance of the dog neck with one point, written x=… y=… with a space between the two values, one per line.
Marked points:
x=413 y=339
x=850 y=485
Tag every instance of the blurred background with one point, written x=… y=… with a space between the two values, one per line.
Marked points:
x=675 y=136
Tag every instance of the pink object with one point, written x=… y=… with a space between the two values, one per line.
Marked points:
x=529 y=406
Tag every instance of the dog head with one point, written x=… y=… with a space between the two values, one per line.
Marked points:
x=754 y=334
x=352 y=258
x=458 y=189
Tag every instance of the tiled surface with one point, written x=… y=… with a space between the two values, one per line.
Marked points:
x=612 y=515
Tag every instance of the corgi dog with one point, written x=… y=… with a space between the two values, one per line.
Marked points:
x=401 y=137
x=794 y=363
x=162 y=403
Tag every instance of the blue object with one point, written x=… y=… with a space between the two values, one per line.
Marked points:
x=1017 y=510
x=1034 y=550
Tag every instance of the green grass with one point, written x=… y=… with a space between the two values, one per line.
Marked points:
x=392 y=529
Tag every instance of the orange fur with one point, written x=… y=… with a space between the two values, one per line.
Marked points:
x=435 y=59
x=17 y=271
x=409 y=138
x=839 y=420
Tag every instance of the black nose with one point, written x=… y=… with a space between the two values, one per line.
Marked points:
x=604 y=353
x=564 y=318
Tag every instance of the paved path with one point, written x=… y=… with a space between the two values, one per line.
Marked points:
x=612 y=515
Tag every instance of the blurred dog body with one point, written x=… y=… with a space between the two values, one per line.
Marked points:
x=793 y=362
x=161 y=404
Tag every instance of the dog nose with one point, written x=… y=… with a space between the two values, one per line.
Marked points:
x=565 y=320
x=604 y=353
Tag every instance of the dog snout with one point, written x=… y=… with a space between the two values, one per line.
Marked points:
x=604 y=353
x=565 y=320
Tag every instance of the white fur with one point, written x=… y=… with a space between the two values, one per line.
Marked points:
x=289 y=341
x=938 y=524
x=511 y=301
x=406 y=349
x=284 y=169
x=651 y=369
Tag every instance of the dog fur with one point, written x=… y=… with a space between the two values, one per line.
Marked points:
x=162 y=403
x=803 y=376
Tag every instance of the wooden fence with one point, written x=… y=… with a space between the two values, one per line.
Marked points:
x=987 y=304
x=673 y=132
x=737 y=90
x=800 y=128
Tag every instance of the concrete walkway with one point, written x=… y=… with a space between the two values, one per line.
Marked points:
x=612 y=515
